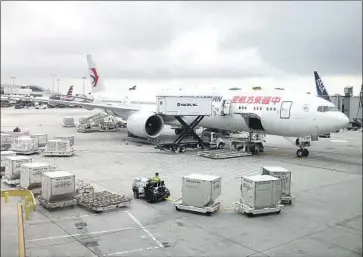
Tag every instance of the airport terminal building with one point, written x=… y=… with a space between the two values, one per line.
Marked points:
x=32 y=90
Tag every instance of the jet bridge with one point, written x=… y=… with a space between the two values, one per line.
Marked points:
x=184 y=106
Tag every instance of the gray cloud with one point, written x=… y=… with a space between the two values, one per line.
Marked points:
x=181 y=39
x=302 y=36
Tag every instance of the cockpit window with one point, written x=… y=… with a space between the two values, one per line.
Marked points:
x=328 y=109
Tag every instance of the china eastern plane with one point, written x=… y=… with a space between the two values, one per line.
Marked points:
x=273 y=112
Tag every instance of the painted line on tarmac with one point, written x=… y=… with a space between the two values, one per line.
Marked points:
x=134 y=251
x=82 y=234
x=145 y=230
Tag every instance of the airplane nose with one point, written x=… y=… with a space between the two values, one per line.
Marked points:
x=343 y=120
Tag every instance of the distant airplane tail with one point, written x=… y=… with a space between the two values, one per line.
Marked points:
x=96 y=80
x=132 y=88
x=70 y=91
x=320 y=88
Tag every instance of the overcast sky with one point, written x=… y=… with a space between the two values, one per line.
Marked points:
x=210 y=44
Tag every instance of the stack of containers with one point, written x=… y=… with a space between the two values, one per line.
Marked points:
x=260 y=191
x=41 y=139
x=24 y=144
x=68 y=122
x=12 y=166
x=31 y=174
x=5 y=141
x=69 y=138
x=58 y=186
x=201 y=190
x=285 y=177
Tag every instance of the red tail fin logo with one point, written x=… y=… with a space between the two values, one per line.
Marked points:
x=95 y=77
x=70 y=91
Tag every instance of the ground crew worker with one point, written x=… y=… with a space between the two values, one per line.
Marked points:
x=156 y=178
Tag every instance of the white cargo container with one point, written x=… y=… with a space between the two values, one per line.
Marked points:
x=64 y=138
x=285 y=177
x=260 y=191
x=12 y=166
x=31 y=174
x=283 y=174
x=58 y=145
x=200 y=190
x=24 y=144
x=58 y=186
x=184 y=105
x=5 y=154
x=41 y=139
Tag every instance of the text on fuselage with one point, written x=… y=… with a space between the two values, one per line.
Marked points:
x=256 y=99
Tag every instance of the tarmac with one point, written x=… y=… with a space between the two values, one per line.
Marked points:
x=326 y=219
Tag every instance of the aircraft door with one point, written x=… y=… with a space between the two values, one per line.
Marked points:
x=226 y=107
x=285 y=110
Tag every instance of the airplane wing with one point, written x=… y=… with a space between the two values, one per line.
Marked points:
x=90 y=105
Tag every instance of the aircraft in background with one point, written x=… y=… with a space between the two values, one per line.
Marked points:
x=271 y=112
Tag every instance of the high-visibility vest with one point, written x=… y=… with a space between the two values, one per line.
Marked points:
x=156 y=179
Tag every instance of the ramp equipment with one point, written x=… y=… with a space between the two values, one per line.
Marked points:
x=184 y=106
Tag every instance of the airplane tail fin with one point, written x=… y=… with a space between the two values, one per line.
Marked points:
x=70 y=91
x=320 y=88
x=96 y=80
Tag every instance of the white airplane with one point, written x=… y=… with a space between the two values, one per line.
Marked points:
x=273 y=112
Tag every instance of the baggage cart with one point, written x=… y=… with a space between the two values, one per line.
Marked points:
x=208 y=210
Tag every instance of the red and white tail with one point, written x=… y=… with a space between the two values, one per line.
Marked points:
x=70 y=91
x=96 y=81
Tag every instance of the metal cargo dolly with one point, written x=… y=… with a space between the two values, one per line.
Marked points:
x=287 y=199
x=36 y=191
x=57 y=204
x=58 y=154
x=102 y=201
x=207 y=210
x=249 y=211
x=11 y=182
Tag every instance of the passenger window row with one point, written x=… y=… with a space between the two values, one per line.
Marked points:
x=256 y=108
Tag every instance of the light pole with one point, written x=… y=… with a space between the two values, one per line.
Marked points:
x=53 y=75
x=13 y=78
x=58 y=84
x=84 y=84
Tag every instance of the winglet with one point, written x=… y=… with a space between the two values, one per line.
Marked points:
x=96 y=80
x=320 y=88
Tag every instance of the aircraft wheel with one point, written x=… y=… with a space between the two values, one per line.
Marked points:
x=183 y=149
x=300 y=153
x=306 y=152
x=221 y=146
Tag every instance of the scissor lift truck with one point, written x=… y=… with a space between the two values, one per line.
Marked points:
x=184 y=106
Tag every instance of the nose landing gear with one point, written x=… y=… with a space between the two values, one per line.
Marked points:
x=302 y=152
x=302 y=143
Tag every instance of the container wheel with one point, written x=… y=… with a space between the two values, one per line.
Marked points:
x=249 y=215
x=208 y=213
x=183 y=149
x=278 y=212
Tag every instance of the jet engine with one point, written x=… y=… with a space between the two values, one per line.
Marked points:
x=145 y=124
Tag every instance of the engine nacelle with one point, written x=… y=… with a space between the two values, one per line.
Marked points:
x=145 y=124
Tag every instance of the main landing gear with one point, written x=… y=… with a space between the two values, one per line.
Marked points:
x=302 y=152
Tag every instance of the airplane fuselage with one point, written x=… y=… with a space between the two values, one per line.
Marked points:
x=278 y=112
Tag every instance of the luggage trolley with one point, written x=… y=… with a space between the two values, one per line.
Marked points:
x=179 y=106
